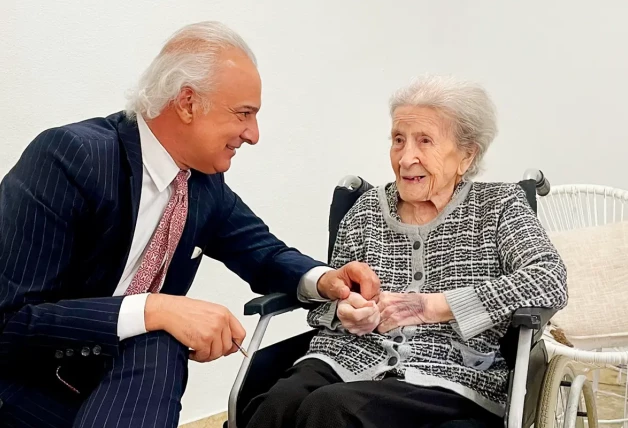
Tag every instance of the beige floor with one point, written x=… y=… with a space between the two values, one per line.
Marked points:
x=608 y=407
x=215 y=421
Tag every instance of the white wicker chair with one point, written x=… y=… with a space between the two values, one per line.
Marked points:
x=577 y=206
x=569 y=207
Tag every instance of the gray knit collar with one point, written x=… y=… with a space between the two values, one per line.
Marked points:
x=389 y=200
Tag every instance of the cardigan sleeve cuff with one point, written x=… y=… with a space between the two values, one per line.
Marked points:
x=327 y=317
x=470 y=315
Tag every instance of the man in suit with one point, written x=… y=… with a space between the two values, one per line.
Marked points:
x=101 y=226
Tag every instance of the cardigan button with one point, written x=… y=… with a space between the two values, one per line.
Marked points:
x=418 y=276
x=58 y=354
x=392 y=361
x=85 y=351
x=417 y=245
x=398 y=339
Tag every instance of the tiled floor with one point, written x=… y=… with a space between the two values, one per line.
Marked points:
x=608 y=407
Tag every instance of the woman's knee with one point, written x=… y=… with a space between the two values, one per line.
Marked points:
x=277 y=407
x=285 y=394
x=330 y=401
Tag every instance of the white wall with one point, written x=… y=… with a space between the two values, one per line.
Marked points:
x=557 y=70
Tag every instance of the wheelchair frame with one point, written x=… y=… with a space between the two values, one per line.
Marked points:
x=525 y=331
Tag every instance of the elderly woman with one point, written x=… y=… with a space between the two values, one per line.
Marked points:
x=455 y=258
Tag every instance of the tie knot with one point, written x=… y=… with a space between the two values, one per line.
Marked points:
x=181 y=182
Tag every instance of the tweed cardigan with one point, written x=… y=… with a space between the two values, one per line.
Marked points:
x=486 y=251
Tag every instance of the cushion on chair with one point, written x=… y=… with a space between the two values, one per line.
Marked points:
x=596 y=258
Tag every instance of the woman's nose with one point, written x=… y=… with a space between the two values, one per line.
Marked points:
x=408 y=158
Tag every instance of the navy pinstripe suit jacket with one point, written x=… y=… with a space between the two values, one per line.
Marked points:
x=67 y=215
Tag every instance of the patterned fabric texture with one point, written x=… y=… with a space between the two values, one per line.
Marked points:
x=598 y=284
x=158 y=255
x=489 y=255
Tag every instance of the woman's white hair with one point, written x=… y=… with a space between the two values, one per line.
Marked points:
x=465 y=104
x=188 y=59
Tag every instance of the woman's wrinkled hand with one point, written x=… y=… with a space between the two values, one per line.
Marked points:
x=401 y=309
x=358 y=315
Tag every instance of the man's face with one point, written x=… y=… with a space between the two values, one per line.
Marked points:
x=214 y=136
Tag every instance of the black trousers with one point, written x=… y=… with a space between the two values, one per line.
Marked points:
x=142 y=388
x=311 y=395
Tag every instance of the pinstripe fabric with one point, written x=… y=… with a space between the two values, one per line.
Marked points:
x=68 y=210
x=143 y=387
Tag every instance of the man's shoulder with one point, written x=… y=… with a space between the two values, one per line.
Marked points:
x=93 y=135
x=96 y=128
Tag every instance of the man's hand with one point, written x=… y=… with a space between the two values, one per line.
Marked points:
x=358 y=315
x=402 y=309
x=354 y=276
x=207 y=328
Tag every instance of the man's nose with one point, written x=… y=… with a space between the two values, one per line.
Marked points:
x=251 y=133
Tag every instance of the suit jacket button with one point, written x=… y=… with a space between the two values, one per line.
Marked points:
x=59 y=354
x=97 y=349
x=69 y=352
x=85 y=351
x=1 y=404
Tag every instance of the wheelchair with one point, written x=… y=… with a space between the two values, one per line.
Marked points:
x=541 y=392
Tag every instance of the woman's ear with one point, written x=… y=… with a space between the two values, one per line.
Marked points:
x=467 y=159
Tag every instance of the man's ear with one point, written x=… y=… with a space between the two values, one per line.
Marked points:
x=184 y=105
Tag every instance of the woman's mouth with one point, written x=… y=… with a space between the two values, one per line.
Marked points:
x=413 y=178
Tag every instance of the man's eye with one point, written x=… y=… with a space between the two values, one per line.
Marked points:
x=398 y=140
x=245 y=114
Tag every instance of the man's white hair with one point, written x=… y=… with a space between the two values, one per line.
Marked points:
x=465 y=104
x=188 y=59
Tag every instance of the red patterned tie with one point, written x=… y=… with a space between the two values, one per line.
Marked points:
x=157 y=256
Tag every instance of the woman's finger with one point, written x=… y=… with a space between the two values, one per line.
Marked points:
x=359 y=315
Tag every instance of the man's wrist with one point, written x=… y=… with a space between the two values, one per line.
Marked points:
x=319 y=289
x=307 y=290
x=153 y=312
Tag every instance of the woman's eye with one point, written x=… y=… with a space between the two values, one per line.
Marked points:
x=398 y=140
x=425 y=141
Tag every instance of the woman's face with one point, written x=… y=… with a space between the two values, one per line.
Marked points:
x=424 y=155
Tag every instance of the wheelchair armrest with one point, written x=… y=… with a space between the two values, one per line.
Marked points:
x=532 y=318
x=271 y=303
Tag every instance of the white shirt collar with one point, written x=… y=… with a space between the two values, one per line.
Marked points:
x=156 y=159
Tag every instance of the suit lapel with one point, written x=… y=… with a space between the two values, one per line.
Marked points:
x=183 y=267
x=130 y=139
x=132 y=150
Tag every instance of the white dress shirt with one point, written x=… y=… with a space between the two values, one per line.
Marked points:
x=159 y=171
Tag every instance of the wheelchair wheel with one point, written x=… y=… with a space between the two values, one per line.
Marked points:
x=565 y=399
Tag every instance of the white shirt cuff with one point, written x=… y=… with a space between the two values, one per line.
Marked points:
x=131 y=317
x=308 y=286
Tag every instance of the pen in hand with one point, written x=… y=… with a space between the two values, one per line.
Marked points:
x=241 y=349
